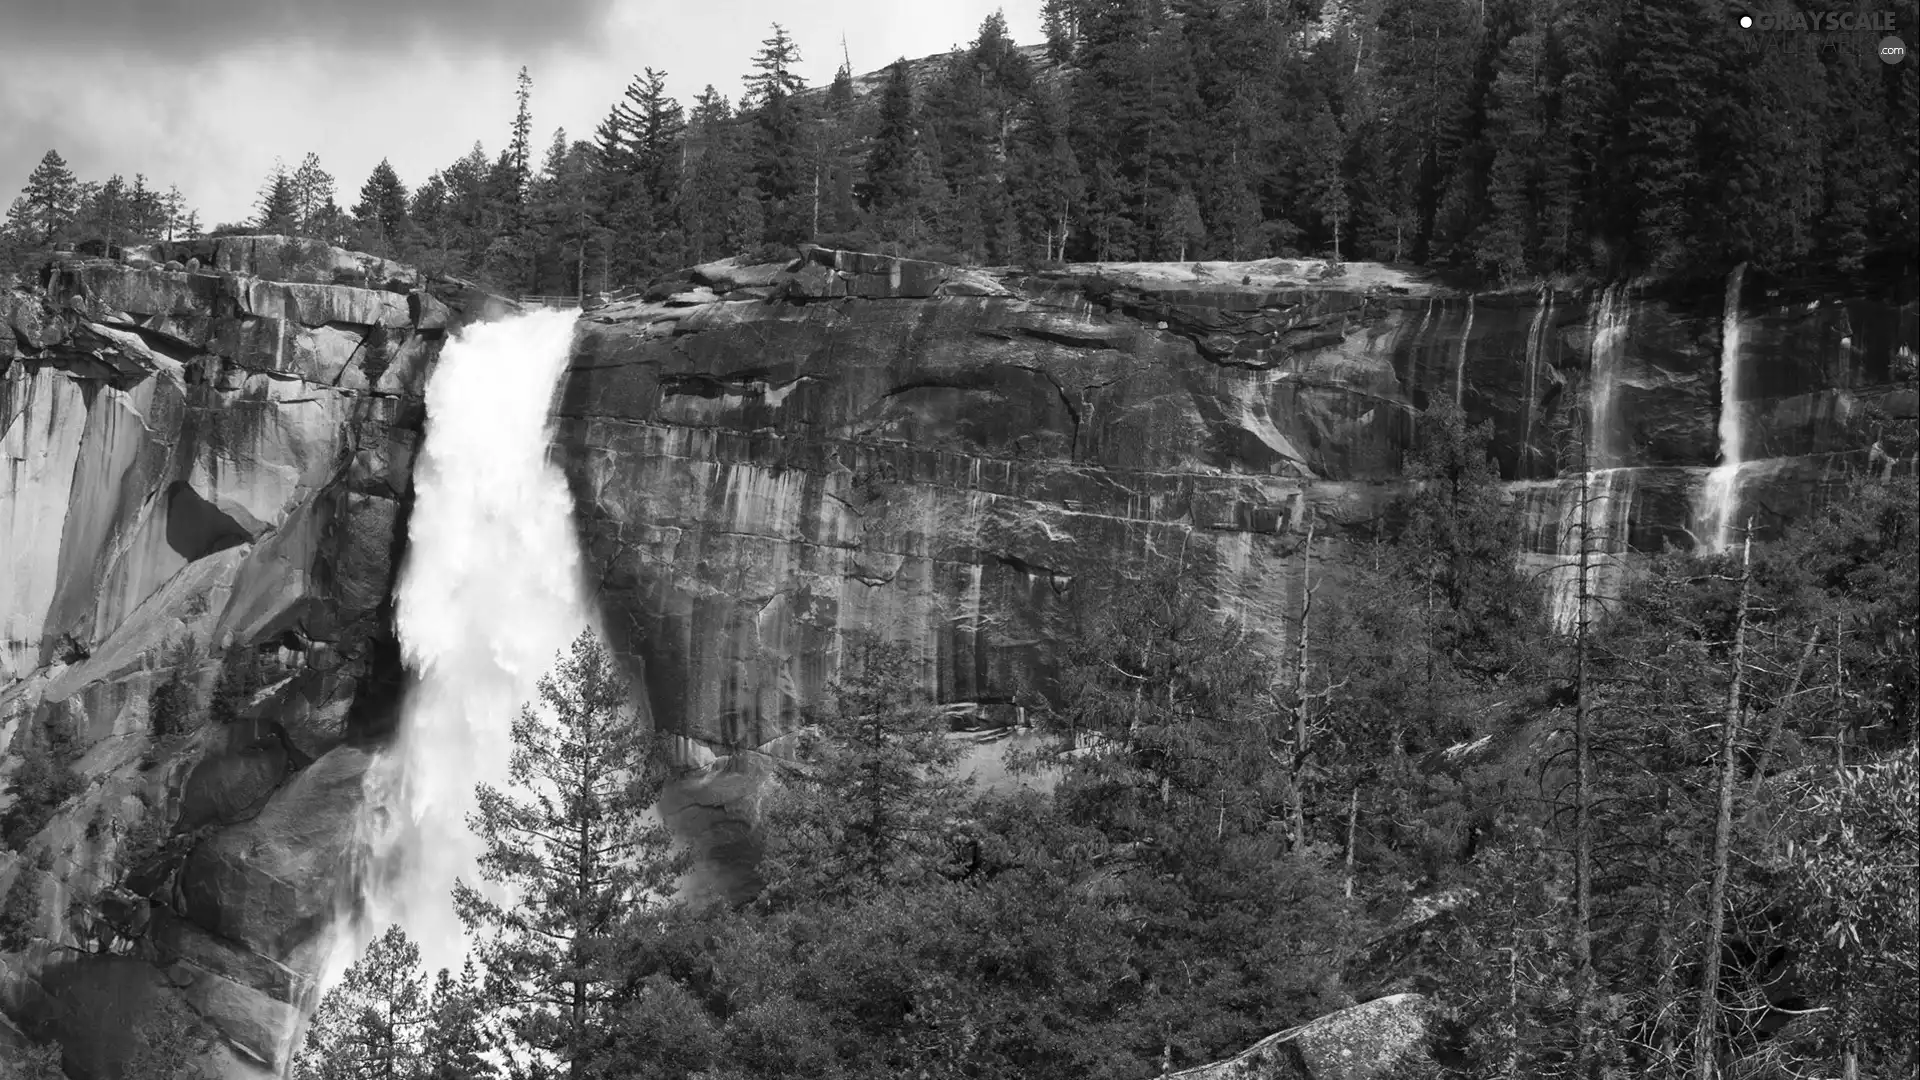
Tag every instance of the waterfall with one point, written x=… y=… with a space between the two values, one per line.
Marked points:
x=1536 y=337
x=1609 y=517
x=1602 y=518
x=1607 y=344
x=489 y=593
x=1460 y=361
x=1719 y=498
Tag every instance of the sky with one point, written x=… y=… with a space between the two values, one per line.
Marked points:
x=206 y=94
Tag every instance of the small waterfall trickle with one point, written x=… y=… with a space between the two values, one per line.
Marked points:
x=1598 y=514
x=1608 y=510
x=1718 y=501
x=489 y=593
x=1536 y=338
x=1608 y=326
x=1460 y=360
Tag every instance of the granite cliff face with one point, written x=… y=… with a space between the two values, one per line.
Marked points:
x=766 y=457
x=209 y=444
x=215 y=444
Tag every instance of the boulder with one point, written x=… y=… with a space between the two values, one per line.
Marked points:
x=1371 y=1041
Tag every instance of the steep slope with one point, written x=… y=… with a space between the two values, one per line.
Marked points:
x=767 y=457
x=209 y=445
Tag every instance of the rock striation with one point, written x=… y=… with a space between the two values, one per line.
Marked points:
x=211 y=445
x=767 y=457
x=1374 y=1040
x=216 y=457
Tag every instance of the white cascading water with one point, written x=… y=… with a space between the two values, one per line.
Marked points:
x=1536 y=338
x=1460 y=360
x=1608 y=503
x=1609 y=341
x=489 y=594
x=1719 y=498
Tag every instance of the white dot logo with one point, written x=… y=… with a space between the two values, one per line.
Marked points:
x=1892 y=49
x=1746 y=22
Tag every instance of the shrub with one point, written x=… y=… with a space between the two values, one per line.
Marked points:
x=40 y=783
x=19 y=912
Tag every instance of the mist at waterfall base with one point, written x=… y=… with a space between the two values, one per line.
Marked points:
x=490 y=592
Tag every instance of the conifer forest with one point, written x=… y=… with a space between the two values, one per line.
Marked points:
x=1663 y=822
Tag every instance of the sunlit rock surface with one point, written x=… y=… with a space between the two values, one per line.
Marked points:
x=1377 y=1040
x=763 y=458
x=218 y=456
x=766 y=457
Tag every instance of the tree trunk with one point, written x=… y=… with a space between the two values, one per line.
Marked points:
x=1353 y=820
x=1705 y=1067
x=1302 y=729
x=1583 y=802
x=1780 y=716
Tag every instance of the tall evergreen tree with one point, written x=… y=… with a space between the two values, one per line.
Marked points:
x=711 y=183
x=370 y=1026
x=779 y=158
x=1667 y=82
x=519 y=152
x=574 y=842
x=890 y=160
x=311 y=188
x=869 y=803
x=49 y=201
x=382 y=209
x=277 y=209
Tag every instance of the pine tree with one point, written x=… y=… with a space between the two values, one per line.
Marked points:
x=1326 y=145
x=779 y=159
x=519 y=153
x=371 y=1026
x=20 y=911
x=104 y=211
x=41 y=781
x=277 y=210
x=48 y=202
x=869 y=803
x=1059 y=20
x=1181 y=227
x=1666 y=78
x=454 y=1044
x=640 y=147
x=711 y=181
x=890 y=161
x=1516 y=128
x=573 y=840
x=382 y=209
x=312 y=190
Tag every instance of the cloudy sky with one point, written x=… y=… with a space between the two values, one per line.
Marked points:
x=207 y=93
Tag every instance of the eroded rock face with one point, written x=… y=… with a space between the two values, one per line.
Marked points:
x=766 y=457
x=1370 y=1041
x=218 y=456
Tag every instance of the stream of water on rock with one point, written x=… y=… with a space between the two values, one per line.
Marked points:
x=1608 y=503
x=1719 y=498
x=489 y=594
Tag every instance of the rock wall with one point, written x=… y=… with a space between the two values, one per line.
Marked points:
x=767 y=457
x=207 y=444
x=212 y=443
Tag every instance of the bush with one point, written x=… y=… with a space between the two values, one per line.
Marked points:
x=20 y=911
x=41 y=782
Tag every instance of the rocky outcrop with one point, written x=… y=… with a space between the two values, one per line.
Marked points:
x=207 y=445
x=212 y=445
x=1373 y=1041
x=766 y=457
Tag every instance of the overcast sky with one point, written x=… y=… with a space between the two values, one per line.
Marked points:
x=207 y=93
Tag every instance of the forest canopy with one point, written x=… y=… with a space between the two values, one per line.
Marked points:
x=1514 y=140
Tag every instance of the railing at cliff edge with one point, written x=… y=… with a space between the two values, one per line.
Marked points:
x=563 y=302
